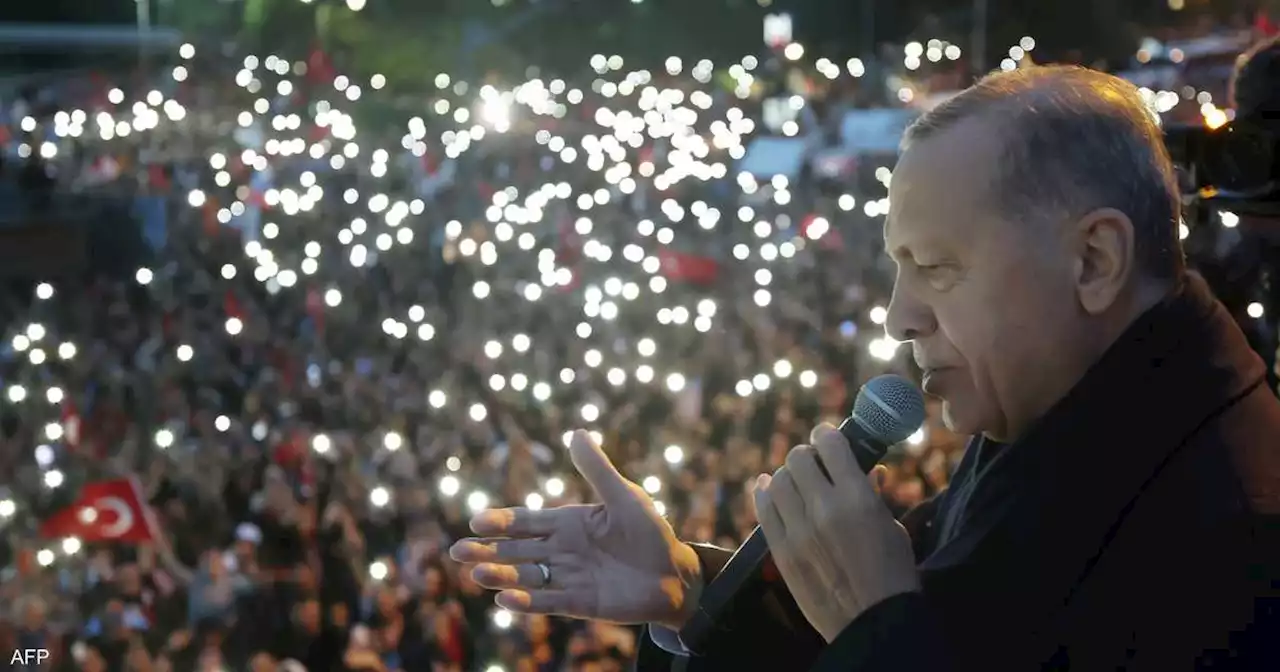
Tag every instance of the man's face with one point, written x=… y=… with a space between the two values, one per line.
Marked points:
x=987 y=301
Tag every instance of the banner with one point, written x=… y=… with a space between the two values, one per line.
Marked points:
x=768 y=156
x=876 y=131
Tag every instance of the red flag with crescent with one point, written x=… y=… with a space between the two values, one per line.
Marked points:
x=112 y=510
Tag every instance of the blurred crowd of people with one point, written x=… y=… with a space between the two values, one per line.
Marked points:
x=310 y=445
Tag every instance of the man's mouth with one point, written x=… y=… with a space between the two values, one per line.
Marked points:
x=931 y=380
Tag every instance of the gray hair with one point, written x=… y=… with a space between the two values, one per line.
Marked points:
x=1075 y=140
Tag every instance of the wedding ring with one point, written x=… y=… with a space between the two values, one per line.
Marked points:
x=546 y=573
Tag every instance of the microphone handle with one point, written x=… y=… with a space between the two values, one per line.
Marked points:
x=751 y=562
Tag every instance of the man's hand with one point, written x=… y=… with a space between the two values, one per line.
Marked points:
x=618 y=560
x=835 y=543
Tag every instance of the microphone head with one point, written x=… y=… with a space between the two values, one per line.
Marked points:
x=890 y=408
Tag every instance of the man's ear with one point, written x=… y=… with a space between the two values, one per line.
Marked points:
x=1105 y=260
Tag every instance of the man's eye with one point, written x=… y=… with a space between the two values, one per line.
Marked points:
x=940 y=276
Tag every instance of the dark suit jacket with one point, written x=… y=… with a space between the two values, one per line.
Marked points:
x=1133 y=528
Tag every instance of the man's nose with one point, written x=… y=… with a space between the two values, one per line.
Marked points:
x=908 y=317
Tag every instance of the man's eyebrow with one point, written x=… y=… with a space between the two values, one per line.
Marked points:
x=894 y=251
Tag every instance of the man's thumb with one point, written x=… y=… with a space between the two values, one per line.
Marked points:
x=590 y=461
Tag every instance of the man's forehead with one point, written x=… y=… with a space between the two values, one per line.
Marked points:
x=938 y=189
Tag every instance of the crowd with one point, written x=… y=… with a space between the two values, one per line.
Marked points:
x=339 y=343
x=316 y=380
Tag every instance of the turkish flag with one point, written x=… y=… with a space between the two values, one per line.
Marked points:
x=106 y=511
x=691 y=268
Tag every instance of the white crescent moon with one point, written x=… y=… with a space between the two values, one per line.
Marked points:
x=124 y=516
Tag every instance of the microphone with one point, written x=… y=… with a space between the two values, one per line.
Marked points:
x=887 y=410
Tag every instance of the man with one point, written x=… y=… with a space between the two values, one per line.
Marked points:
x=1111 y=511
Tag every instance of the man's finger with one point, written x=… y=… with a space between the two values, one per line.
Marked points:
x=802 y=463
x=554 y=602
x=504 y=577
x=590 y=461
x=787 y=499
x=835 y=453
x=503 y=551
x=758 y=484
x=518 y=522
x=767 y=514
